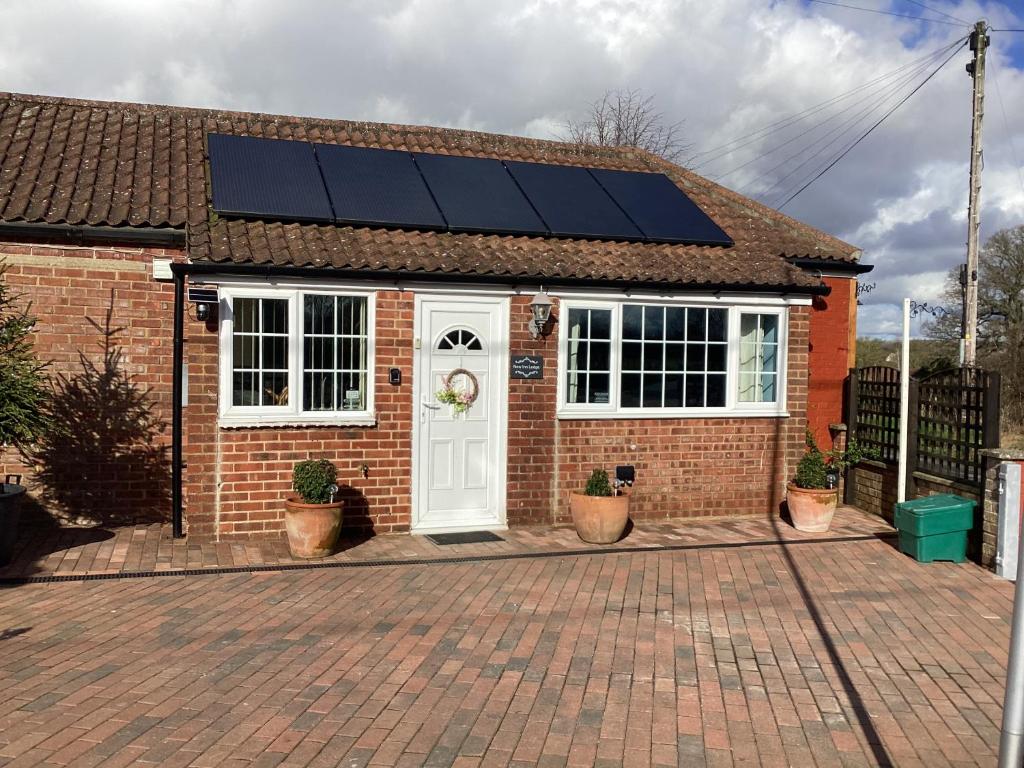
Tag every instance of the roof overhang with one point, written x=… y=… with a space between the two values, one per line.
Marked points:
x=270 y=271
x=831 y=267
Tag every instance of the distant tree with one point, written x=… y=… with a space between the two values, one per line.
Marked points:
x=628 y=118
x=1000 y=314
x=926 y=355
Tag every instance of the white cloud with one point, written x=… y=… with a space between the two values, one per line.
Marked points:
x=726 y=67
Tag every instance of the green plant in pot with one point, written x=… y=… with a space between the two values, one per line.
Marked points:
x=312 y=517
x=813 y=495
x=601 y=512
x=24 y=394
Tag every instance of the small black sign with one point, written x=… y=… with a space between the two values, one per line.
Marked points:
x=527 y=367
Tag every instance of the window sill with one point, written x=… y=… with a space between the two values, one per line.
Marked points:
x=254 y=421
x=625 y=416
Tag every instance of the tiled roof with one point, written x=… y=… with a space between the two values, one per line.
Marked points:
x=312 y=245
x=75 y=162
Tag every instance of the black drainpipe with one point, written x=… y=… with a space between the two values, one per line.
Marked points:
x=176 y=408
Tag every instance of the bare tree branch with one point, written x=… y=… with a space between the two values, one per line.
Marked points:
x=628 y=118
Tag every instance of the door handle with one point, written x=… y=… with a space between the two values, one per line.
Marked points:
x=427 y=404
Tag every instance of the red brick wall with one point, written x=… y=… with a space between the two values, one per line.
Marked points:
x=694 y=467
x=235 y=478
x=833 y=344
x=109 y=467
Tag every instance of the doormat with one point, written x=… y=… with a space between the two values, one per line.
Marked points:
x=468 y=537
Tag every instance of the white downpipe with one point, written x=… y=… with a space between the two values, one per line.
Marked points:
x=901 y=481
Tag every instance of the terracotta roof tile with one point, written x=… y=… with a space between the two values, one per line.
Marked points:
x=101 y=163
x=368 y=249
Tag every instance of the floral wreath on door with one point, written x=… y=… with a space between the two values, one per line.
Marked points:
x=460 y=399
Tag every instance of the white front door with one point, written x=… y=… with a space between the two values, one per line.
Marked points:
x=459 y=458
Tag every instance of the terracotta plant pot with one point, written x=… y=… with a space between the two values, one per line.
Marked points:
x=811 y=509
x=312 y=528
x=599 y=519
x=10 y=513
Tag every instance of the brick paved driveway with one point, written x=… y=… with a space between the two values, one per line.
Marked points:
x=839 y=653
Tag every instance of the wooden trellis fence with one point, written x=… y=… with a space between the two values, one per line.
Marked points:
x=954 y=414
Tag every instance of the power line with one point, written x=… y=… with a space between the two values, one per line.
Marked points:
x=881 y=100
x=886 y=13
x=766 y=130
x=915 y=68
x=868 y=132
x=1006 y=124
x=843 y=129
x=941 y=13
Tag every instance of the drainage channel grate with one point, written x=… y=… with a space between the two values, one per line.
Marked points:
x=13 y=581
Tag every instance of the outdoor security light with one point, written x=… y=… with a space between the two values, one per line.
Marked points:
x=540 y=308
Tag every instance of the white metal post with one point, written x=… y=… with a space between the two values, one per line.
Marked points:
x=1011 y=743
x=901 y=482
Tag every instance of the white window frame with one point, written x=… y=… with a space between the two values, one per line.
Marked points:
x=732 y=408
x=291 y=414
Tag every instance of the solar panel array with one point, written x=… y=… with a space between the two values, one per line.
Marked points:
x=299 y=181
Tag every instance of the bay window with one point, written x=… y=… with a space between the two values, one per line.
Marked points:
x=645 y=358
x=295 y=357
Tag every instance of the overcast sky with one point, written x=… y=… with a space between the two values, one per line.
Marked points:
x=725 y=67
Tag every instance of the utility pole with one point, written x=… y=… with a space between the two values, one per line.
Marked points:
x=976 y=69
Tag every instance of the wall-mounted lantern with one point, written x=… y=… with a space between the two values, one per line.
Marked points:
x=540 y=308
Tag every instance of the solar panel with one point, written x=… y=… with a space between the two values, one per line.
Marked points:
x=377 y=187
x=477 y=194
x=267 y=178
x=660 y=208
x=571 y=202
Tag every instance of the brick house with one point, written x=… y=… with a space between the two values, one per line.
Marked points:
x=699 y=365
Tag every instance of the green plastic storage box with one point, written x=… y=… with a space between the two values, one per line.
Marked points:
x=935 y=527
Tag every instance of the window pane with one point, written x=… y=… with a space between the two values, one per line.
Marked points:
x=352 y=391
x=318 y=392
x=275 y=353
x=674 y=390
x=246 y=312
x=695 y=357
x=629 y=394
x=352 y=315
x=578 y=323
x=716 y=391
x=275 y=388
x=632 y=320
x=759 y=348
x=654 y=322
x=717 y=357
x=599 y=388
x=578 y=358
x=600 y=323
x=696 y=324
x=630 y=356
x=652 y=390
x=675 y=323
x=244 y=389
x=318 y=314
x=600 y=355
x=275 y=315
x=244 y=355
x=334 y=353
x=675 y=356
x=576 y=387
x=694 y=390
x=654 y=357
x=717 y=321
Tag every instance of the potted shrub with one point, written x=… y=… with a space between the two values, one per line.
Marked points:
x=312 y=517
x=23 y=398
x=813 y=495
x=600 y=513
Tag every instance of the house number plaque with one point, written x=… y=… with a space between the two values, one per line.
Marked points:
x=527 y=367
